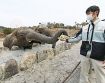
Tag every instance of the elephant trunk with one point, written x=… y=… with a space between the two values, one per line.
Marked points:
x=37 y=37
x=58 y=34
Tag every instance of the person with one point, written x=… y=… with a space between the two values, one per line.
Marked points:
x=93 y=46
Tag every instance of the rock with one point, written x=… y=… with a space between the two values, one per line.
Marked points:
x=50 y=53
x=2 y=71
x=59 y=48
x=27 y=60
x=42 y=55
x=11 y=68
x=68 y=46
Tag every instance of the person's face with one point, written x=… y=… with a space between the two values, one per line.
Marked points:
x=92 y=15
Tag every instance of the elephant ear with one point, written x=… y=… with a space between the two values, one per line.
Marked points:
x=15 y=42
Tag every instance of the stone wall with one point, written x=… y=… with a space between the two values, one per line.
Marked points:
x=45 y=64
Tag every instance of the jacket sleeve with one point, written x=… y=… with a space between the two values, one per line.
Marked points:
x=75 y=39
x=104 y=40
x=104 y=30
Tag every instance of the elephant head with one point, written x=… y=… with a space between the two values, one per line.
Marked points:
x=24 y=38
x=9 y=41
x=13 y=40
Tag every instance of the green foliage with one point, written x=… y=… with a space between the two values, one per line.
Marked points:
x=55 y=25
x=50 y=25
x=7 y=31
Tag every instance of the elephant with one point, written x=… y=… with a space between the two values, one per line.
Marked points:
x=25 y=37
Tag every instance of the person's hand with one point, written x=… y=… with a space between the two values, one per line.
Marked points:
x=63 y=37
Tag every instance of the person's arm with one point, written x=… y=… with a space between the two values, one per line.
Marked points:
x=75 y=39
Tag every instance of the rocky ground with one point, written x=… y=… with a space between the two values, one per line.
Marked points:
x=54 y=70
x=51 y=70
